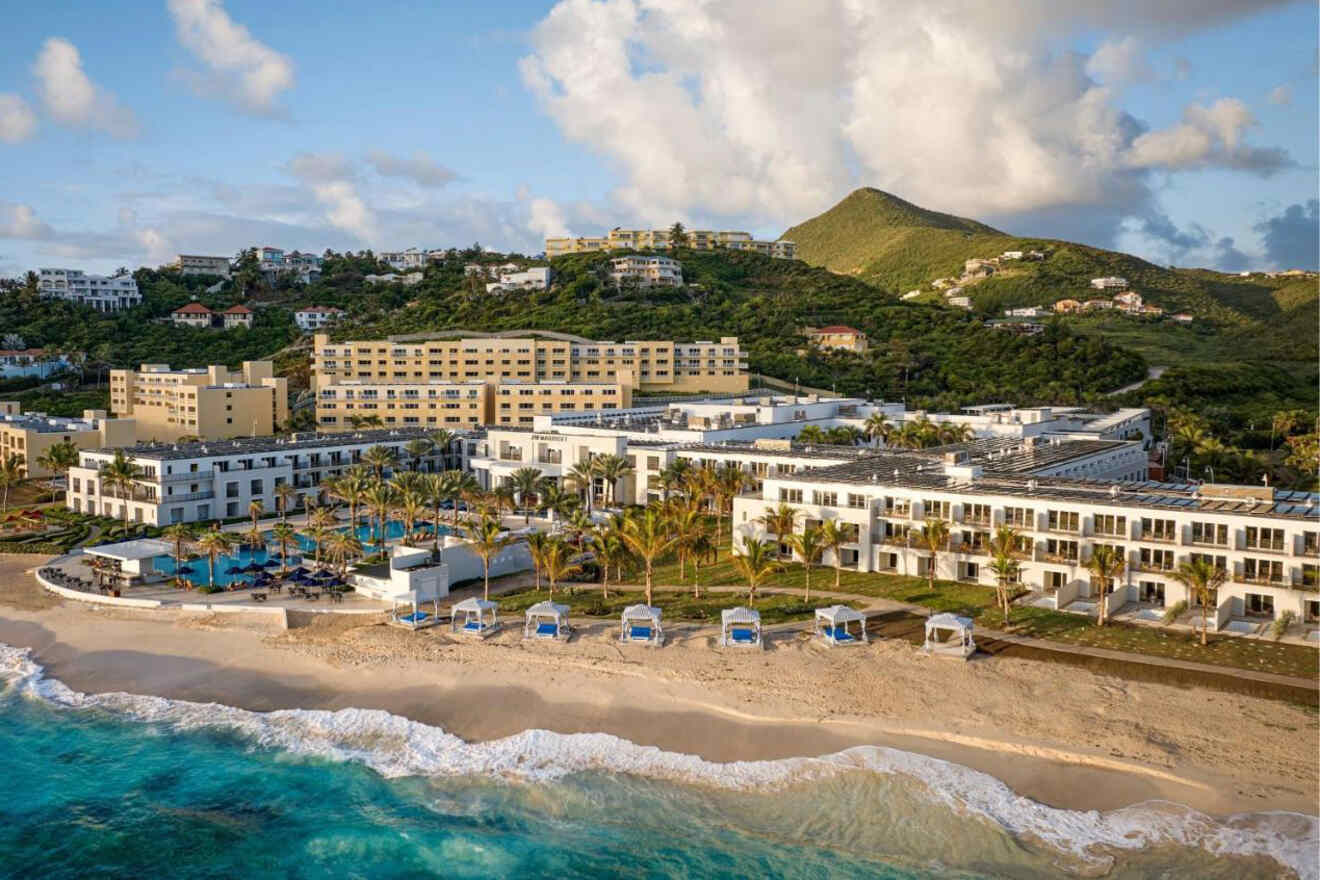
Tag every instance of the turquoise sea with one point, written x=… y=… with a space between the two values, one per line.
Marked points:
x=120 y=785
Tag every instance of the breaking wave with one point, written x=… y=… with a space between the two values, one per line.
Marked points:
x=395 y=746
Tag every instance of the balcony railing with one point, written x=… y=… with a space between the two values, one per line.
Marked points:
x=1265 y=547
x=1152 y=567
x=1060 y=558
x=1261 y=578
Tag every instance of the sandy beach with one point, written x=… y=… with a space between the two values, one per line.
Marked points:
x=1064 y=736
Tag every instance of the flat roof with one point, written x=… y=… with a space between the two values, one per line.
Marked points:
x=259 y=445
x=141 y=548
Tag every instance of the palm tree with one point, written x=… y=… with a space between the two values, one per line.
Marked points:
x=284 y=495
x=724 y=485
x=465 y=487
x=351 y=488
x=758 y=560
x=380 y=500
x=418 y=449
x=487 y=539
x=648 y=537
x=320 y=524
x=833 y=535
x=411 y=506
x=284 y=534
x=700 y=549
x=1004 y=551
x=59 y=457
x=342 y=547
x=118 y=474
x=554 y=500
x=780 y=521
x=255 y=509
x=526 y=481
x=1202 y=578
x=1283 y=422
x=811 y=434
x=502 y=498
x=686 y=524
x=1106 y=566
x=379 y=458
x=810 y=545
x=441 y=440
x=612 y=469
x=877 y=427
x=583 y=475
x=212 y=543
x=934 y=537
x=608 y=549
x=180 y=534
x=11 y=472
x=538 y=544
x=671 y=476
x=559 y=563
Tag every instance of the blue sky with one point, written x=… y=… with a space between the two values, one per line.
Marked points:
x=1181 y=131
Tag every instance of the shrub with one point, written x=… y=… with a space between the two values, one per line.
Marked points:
x=1174 y=611
x=1281 y=624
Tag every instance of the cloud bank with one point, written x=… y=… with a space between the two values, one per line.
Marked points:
x=17 y=121
x=720 y=110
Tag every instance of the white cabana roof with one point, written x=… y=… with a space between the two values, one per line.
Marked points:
x=739 y=615
x=837 y=614
x=142 y=548
x=475 y=604
x=641 y=612
x=548 y=609
x=948 y=621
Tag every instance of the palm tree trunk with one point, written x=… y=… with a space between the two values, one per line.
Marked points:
x=838 y=571
x=806 y=580
x=485 y=573
x=648 y=582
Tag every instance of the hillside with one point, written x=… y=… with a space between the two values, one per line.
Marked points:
x=937 y=356
x=881 y=239
x=891 y=243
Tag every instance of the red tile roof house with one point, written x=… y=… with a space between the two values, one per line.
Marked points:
x=193 y=315
x=237 y=316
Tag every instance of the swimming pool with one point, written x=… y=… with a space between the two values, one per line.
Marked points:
x=241 y=558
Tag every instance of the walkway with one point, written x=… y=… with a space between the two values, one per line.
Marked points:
x=1152 y=373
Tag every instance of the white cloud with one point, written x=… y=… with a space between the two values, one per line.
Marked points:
x=72 y=98
x=732 y=110
x=1207 y=136
x=332 y=179
x=1120 y=62
x=20 y=221
x=17 y=121
x=1281 y=95
x=239 y=67
x=420 y=168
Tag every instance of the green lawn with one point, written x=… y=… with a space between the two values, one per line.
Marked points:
x=587 y=601
x=977 y=602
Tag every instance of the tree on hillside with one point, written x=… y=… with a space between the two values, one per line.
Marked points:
x=678 y=237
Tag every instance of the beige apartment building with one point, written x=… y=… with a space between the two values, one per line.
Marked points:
x=658 y=239
x=524 y=376
x=29 y=435
x=211 y=403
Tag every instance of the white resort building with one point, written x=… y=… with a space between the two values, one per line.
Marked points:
x=105 y=294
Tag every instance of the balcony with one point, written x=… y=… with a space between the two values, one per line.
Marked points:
x=1151 y=567
x=1264 y=579
x=1265 y=547
x=1056 y=558
x=1158 y=539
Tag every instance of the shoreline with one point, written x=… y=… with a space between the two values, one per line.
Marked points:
x=683 y=699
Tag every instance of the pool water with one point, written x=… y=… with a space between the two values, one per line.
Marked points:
x=301 y=544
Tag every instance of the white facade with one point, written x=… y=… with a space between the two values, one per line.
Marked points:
x=647 y=271
x=1028 y=312
x=316 y=317
x=210 y=480
x=105 y=294
x=412 y=258
x=306 y=268
x=1112 y=282
x=407 y=280
x=535 y=278
x=1267 y=542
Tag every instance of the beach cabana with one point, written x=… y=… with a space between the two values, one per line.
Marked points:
x=641 y=624
x=475 y=617
x=547 y=620
x=740 y=627
x=832 y=625
x=948 y=635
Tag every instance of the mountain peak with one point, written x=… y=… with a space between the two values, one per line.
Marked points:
x=887 y=209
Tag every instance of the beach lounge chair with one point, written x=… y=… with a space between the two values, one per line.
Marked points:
x=740 y=628
x=475 y=617
x=640 y=624
x=258 y=597
x=832 y=625
x=547 y=620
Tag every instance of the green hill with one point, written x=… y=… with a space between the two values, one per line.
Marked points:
x=891 y=243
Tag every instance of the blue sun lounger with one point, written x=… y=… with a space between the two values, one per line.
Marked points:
x=641 y=633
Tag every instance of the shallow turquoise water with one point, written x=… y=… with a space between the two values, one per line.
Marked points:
x=242 y=557
x=126 y=786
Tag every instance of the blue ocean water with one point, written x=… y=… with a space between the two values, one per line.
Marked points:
x=129 y=786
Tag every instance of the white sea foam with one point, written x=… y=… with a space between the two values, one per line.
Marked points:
x=395 y=746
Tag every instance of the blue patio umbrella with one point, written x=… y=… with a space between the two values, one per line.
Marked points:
x=299 y=572
x=186 y=569
x=233 y=569
x=252 y=567
x=271 y=563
